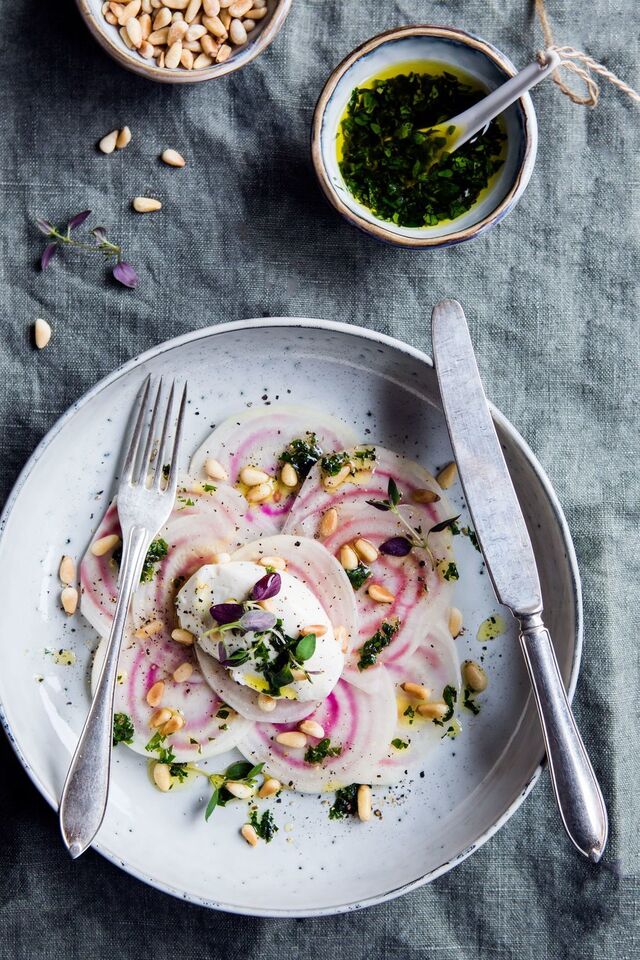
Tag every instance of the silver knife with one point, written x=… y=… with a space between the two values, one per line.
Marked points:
x=509 y=556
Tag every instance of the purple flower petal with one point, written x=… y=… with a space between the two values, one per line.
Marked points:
x=226 y=612
x=268 y=586
x=126 y=275
x=48 y=254
x=258 y=620
x=222 y=652
x=45 y=227
x=78 y=219
x=396 y=547
x=99 y=233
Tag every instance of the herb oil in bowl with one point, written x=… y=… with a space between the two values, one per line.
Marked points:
x=392 y=145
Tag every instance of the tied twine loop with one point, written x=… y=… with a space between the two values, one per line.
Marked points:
x=569 y=56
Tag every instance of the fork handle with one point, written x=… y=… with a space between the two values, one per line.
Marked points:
x=86 y=789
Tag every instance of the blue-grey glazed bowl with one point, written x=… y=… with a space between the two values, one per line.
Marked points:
x=450 y=48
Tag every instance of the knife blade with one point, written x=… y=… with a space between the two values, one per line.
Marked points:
x=508 y=552
x=486 y=481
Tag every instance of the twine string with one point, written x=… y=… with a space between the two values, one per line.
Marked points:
x=580 y=64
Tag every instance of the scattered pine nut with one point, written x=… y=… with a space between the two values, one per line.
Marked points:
x=329 y=523
x=425 y=496
x=416 y=690
x=42 y=333
x=69 y=600
x=162 y=776
x=105 y=545
x=330 y=483
x=298 y=674
x=173 y=724
x=149 y=629
x=221 y=558
x=474 y=676
x=312 y=728
x=183 y=672
x=289 y=476
x=293 y=739
x=446 y=477
x=146 y=204
x=249 y=834
x=348 y=557
x=182 y=636
x=434 y=711
x=212 y=467
x=341 y=637
x=253 y=477
x=108 y=142
x=269 y=788
x=67 y=571
x=173 y=159
x=124 y=138
x=318 y=629
x=455 y=622
x=379 y=593
x=159 y=717
x=240 y=790
x=276 y=563
x=155 y=693
x=365 y=550
x=259 y=493
x=364 y=802
x=267 y=703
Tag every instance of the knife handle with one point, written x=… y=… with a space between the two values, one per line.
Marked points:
x=577 y=792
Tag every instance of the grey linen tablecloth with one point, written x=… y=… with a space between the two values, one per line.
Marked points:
x=552 y=299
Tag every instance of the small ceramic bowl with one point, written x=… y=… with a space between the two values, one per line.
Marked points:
x=109 y=38
x=450 y=48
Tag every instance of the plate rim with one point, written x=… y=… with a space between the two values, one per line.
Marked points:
x=359 y=332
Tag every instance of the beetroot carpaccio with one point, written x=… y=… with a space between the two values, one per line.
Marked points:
x=296 y=607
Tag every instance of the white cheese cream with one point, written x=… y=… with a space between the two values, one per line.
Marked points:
x=294 y=604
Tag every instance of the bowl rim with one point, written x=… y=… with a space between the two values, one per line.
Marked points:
x=151 y=71
x=377 y=229
x=501 y=422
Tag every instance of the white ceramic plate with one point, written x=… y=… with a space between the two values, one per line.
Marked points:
x=471 y=786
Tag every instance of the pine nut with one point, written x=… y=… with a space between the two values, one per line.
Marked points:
x=240 y=790
x=425 y=496
x=318 y=629
x=202 y=60
x=161 y=19
x=176 y=4
x=146 y=6
x=221 y=558
x=124 y=138
x=253 y=477
x=148 y=204
x=171 y=61
x=225 y=19
x=183 y=672
x=446 y=477
x=183 y=637
x=160 y=717
x=259 y=493
x=128 y=11
x=195 y=31
x=249 y=834
x=348 y=557
x=175 y=723
x=177 y=32
x=312 y=728
x=342 y=637
x=149 y=629
x=69 y=600
x=267 y=605
x=215 y=26
x=177 y=17
x=329 y=523
x=288 y=473
x=145 y=25
x=194 y=46
x=159 y=36
x=257 y=13
x=108 y=142
x=162 y=776
x=125 y=38
x=193 y=8
x=41 y=333
x=111 y=18
x=293 y=739
x=146 y=50
x=474 y=676
x=380 y=594
x=416 y=690
x=238 y=35
x=249 y=25
x=214 y=469
x=224 y=53
x=455 y=622
x=364 y=802
x=434 y=711
x=365 y=550
x=276 y=563
x=160 y=59
x=269 y=788
x=134 y=31
x=105 y=544
x=240 y=7
x=266 y=703
x=330 y=483
x=67 y=571
x=172 y=158
x=298 y=674
x=155 y=693
x=225 y=3
x=211 y=7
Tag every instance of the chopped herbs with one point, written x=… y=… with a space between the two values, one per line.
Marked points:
x=166 y=755
x=209 y=487
x=122 y=729
x=376 y=644
x=450 y=572
x=156 y=552
x=334 y=462
x=358 y=576
x=388 y=149
x=321 y=751
x=400 y=744
x=409 y=713
x=449 y=695
x=240 y=772
x=302 y=453
x=359 y=459
x=346 y=802
x=469 y=701
x=264 y=826
x=223 y=711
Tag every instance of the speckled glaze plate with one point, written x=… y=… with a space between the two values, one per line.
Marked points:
x=470 y=786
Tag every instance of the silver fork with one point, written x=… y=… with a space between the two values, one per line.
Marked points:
x=145 y=500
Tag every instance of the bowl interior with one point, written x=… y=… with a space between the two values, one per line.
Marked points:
x=471 y=784
x=449 y=53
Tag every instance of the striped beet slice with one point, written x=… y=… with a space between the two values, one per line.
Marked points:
x=259 y=435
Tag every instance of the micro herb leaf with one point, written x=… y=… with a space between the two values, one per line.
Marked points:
x=213 y=803
x=450 y=523
x=393 y=493
x=321 y=751
x=122 y=729
x=449 y=695
x=306 y=647
x=302 y=453
x=358 y=576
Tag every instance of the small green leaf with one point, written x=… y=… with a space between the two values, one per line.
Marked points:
x=213 y=803
x=306 y=647
x=393 y=493
x=439 y=527
x=238 y=771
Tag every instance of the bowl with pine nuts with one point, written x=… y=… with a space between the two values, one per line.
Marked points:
x=184 y=41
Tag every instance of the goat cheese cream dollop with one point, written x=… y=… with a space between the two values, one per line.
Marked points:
x=263 y=649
